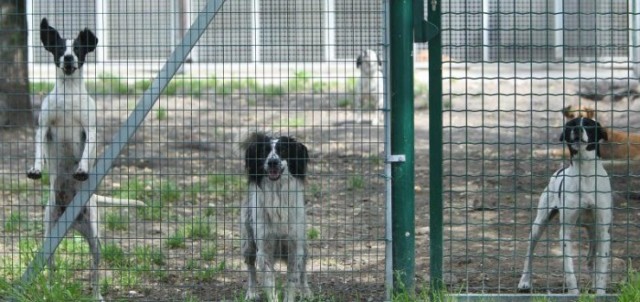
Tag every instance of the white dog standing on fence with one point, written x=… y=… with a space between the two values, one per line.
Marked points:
x=369 y=86
x=581 y=195
x=66 y=137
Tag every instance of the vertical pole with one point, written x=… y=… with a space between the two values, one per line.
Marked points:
x=402 y=143
x=435 y=150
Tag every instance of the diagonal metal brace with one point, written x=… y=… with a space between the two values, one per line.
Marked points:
x=121 y=138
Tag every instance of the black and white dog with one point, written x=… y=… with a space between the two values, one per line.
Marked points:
x=370 y=85
x=66 y=137
x=581 y=195
x=273 y=218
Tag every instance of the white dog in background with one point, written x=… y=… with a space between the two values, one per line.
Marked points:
x=273 y=218
x=581 y=195
x=369 y=86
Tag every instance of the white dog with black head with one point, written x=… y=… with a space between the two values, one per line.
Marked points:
x=579 y=194
x=369 y=86
x=273 y=218
x=66 y=137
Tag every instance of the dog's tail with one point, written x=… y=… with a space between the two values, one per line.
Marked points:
x=106 y=200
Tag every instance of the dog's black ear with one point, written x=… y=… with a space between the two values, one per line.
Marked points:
x=297 y=157
x=602 y=134
x=86 y=41
x=50 y=37
x=359 y=61
x=566 y=111
x=255 y=147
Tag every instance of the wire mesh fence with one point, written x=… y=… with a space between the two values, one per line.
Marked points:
x=515 y=73
x=169 y=207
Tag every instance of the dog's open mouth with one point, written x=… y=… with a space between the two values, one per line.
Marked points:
x=274 y=173
x=68 y=70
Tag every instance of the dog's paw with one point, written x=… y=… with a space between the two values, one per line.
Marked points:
x=252 y=295
x=524 y=286
x=81 y=175
x=34 y=173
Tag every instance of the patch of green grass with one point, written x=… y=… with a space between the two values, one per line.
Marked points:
x=170 y=191
x=161 y=113
x=345 y=103
x=271 y=90
x=299 y=82
x=350 y=85
x=19 y=222
x=630 y=289
x=146 y=256
x=209 y=252
x=209 y=273
x=40 y=289
x=199 y=229
x=132 y=189
x=116 y=221
x=108 y=84
x=154 y=211
x=355 y=182
x=291 y=123
x=177 y=240
x=40 y=87
x=114 y=256
x=225 y=186
x=313 y=233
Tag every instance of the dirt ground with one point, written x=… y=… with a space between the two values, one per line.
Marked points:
x=496 y=136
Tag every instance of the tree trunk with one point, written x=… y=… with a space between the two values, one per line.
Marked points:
x=15 y=102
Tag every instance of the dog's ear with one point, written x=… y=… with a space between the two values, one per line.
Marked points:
x=86 y=41
x=297 y=157
x=379 y=60
x=50 y=37
x=602 y=133
x=567 y=112
x=359 y=61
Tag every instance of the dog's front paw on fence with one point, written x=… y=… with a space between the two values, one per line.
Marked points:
x=34 y=173
x=81 y=175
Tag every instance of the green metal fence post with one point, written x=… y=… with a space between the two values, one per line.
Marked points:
x=402 y=143
x=435 y=150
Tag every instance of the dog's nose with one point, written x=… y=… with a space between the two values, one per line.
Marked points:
x=273 y=163
x=68 y=59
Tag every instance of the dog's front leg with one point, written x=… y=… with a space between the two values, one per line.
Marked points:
x=264 y=256
x=35 y=172
x=537 y=229
x=568 y=219
x=603 y=249
x=88 y=154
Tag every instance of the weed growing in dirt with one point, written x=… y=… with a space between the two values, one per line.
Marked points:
x=199 y=229
x=116 y=221
x=177 y=239
x=114 y=256
x=161 y=113
x=355 y=182
x=313 y=233
x=345 y=103
x=630 y=290
x=19 y=222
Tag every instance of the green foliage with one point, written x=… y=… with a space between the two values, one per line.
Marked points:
x=313 y=234
x=41 y=88
x=630 y=290
x=116 y=221
x=177 y=240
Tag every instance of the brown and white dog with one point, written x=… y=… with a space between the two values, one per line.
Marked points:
x=619 y=145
